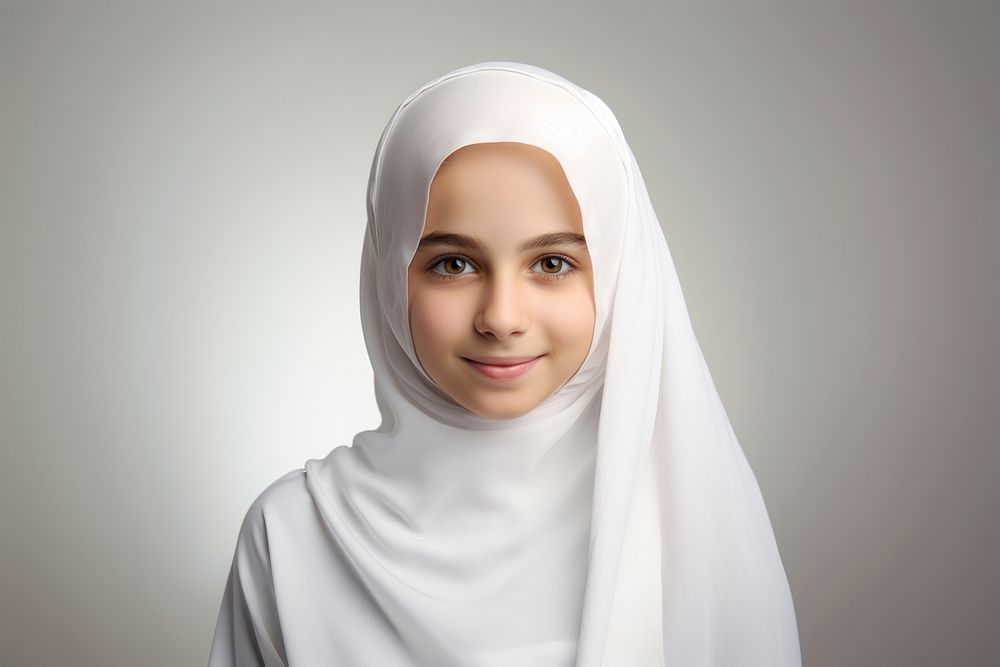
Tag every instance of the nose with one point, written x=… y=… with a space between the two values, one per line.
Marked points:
x=503 y=311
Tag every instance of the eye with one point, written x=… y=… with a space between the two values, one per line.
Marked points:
x=551 y=265
x=554 y=267
x=454 y=266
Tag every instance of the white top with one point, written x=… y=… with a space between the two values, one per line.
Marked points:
x=617 y=523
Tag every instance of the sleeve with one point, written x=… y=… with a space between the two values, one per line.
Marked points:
x=248 y=631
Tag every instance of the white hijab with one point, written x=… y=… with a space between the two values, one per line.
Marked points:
x=618 y=523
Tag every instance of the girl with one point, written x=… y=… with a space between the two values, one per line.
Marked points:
x=555 y=480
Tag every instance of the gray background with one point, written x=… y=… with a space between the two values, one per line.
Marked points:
x=182 y=206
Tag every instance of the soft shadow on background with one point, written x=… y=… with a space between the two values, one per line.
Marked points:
x=182 y=208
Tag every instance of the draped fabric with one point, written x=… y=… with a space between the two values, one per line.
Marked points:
x=618 y=523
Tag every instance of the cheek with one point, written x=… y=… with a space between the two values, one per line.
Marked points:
x=435 y=322
x=570 y=317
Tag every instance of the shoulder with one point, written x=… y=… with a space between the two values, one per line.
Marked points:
x=281 y=498
x=290 y=507
x=288 y=489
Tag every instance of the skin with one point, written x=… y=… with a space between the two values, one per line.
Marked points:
x=499 y=299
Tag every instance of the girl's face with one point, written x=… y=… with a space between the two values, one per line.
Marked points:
x=501 y=275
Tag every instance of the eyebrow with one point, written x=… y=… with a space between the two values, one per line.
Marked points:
x=472 y=243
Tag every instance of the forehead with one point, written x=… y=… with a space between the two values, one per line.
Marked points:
x=504 y=187
x=513 y=154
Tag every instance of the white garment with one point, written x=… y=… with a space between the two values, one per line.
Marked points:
x=618 y=523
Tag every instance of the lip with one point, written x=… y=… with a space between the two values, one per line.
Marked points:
x=503 y=368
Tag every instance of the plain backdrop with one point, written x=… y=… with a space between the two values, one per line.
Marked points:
x=182 y=204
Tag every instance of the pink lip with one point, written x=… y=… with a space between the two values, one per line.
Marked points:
x=503 y=368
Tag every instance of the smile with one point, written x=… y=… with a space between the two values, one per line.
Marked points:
x=503 y=368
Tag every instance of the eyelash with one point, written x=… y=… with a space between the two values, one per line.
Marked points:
x=573 y=267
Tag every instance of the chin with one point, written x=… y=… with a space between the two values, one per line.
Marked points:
x=494 y=411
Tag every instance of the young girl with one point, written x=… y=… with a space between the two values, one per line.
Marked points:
x=555 y=480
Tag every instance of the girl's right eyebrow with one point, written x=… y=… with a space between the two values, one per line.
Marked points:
x=450 y=239
x=454 y=240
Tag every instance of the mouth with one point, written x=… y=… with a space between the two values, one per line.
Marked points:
x=503 y=368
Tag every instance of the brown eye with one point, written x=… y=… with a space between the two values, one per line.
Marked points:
x=453 y=266
x=454 y=263
x=551 y=264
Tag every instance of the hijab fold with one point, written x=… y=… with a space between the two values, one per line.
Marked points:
x=617 y=523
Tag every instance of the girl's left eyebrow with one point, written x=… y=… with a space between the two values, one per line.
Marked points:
x=472 y=243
